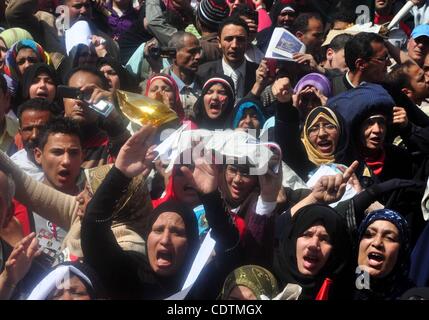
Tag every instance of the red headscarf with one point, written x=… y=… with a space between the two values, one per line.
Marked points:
x=178 y=108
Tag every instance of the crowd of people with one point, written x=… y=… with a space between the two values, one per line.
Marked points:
x=90 y=209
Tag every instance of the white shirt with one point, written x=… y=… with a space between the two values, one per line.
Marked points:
x=237 y=75
x=25 y=164
x=421 y=15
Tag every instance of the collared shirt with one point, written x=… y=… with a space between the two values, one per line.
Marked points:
x=348 y=80
x=25 y=164
x=188 y=94
x=8 y=135
x=237 y=75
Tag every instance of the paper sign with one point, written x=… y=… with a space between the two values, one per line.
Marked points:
x=283 y=45
x=79 y=33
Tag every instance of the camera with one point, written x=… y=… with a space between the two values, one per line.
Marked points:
x=162 y=52
x=102 y=107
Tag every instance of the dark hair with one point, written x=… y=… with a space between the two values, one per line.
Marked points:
x=339 y=41
x=359 y=47
x=244 y=10
x=235 y=21
x=301 y=22
x=3 y=84
x=87 y=69
x=60 y=125
x=399 y=78
x=38 y=104
x=344 y=16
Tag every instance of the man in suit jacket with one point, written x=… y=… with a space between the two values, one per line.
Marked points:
x=233 y=36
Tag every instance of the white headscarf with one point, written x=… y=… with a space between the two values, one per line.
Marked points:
x=54 y=279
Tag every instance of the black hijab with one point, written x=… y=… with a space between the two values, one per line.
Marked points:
x=285 y=263
x=128 y=82
x=157 y=287
x=28 y=77
x=201 y=118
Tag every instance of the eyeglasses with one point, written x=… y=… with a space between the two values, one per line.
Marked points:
x=21 y=61
x=234 y=171
x=327 y=127
x=385 y=59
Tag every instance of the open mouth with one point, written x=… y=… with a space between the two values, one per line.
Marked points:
x=375 y=259
x=310 y=261
x=164 y=258
x=42 y=95
x=325 y=145
x=64 y=174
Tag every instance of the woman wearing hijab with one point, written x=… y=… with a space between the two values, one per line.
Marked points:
x=247 y=114
x=249 y=282
x=321 y=141
x=23 y=54
x=384 y=254
x=69 y=281
x=215 y=104
x=313 y=252
x=163 y=88
x=171 y=234
x=7 y=38
x=117 y=76
x=311 y=91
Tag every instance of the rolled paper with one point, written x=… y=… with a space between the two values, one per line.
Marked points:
x=401 y=13
x=143 y=110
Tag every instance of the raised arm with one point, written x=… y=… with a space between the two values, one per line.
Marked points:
x=49 y=203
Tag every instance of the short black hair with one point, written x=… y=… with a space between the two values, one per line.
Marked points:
x=235 y=21
x=399 y=77
x=301 y=22
x=339 y=41
x=244 y=10
x=359 y=47
x=344 y=16
x=3 y=84
x=59 y=125
x=88 y=69
x=39 y=104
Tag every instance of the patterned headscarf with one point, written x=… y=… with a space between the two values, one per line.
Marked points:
x=259 y=280
x=393 y=217
x=11 y=67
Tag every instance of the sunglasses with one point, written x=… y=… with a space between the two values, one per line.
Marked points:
x=21 y=61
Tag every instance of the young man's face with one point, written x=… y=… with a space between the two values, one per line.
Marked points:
x=336 y=59
x=60 y=159
x=233 y=42
x=79 y=10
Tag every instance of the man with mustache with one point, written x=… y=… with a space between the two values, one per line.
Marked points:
x=33 y=115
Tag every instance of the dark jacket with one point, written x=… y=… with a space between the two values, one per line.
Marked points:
x=215 y=67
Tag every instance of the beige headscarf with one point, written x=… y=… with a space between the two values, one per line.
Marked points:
x=315 y=115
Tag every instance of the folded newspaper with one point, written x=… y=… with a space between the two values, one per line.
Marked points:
x=283 y=45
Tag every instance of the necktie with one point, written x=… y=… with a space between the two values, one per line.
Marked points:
x=236 y=78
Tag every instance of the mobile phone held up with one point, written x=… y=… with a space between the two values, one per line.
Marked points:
x=102 y=107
